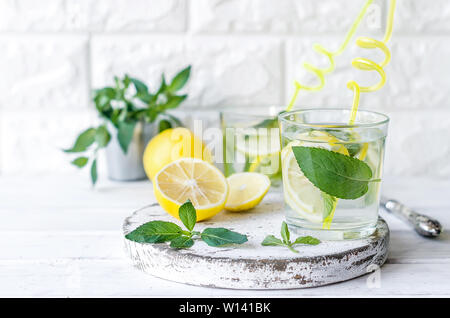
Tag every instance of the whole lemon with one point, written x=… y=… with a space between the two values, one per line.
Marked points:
x=170 y=145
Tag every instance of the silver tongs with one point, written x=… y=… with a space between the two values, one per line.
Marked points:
x=422 y=224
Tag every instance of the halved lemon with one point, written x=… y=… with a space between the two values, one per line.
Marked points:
x=191 y=179
x=300 y=194
x=247 y=189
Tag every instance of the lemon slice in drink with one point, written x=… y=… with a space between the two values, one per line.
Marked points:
x=191 y=179
x=247 y=189
x=300 y=194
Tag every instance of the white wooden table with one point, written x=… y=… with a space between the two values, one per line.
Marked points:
x=59 y=237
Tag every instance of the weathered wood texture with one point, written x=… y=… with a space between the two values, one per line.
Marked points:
x=59 y=237
x=252 y=266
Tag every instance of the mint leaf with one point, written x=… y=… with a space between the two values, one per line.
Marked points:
x=102 y=136
x=271 y=240
x=181 y=242
x=125 y=134
x=285 y=233
x=221 y=236
x=94 y=175
x=80 y=162
x=155 y=232
x=307 y=240
x=141 y=88
x=163 y=125
x=174 y=101
x=334 y=173
x=188 y=215
x=179 y=80
x=329 y=204
x=84 y=140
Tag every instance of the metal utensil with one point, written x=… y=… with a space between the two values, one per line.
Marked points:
x=424 y=225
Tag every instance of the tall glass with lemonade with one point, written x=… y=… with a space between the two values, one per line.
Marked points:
x=332 y=171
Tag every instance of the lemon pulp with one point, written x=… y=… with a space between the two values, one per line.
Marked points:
x=191 y=179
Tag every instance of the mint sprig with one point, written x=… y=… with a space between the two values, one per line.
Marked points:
x=271 y=240
x=123 y=105
x=336 y=174
x=161 y=231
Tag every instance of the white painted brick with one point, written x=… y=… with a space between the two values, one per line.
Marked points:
x=137 y=15
x=92 y=15
x=43 y=72
x=43 y=15
x=281 y=16
x=422 y=15
x=31 y=142
x=416 y=75
x=335 y=93
x=418 y=144
x=225 y=71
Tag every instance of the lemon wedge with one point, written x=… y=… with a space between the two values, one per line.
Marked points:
x=191 y=179
x=247 y=189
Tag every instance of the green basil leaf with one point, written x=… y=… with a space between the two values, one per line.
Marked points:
x=307 y=240
x=179 y=80
x=80 y=162
x=271 y=240
x=84 y=140
x=221 y=236
x=338 y=175
x=188 y=215
x=125 y=134
x=155 y=232
x=102 y=136
x=285 y=232
x=94 y=175
x=181 y=242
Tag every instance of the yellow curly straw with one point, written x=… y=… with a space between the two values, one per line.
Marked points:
x=368 y=65
x=320 y=73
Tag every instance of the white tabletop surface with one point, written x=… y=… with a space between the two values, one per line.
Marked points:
x=59 y=237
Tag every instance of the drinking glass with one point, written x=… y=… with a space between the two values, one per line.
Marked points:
x=251 y=142
x=313 y=208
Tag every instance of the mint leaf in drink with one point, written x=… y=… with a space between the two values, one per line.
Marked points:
x=271 y=240
x=155 y=232
x=329 y=203
x=221 y=236
x=181 y=242
x=338 y=175
x=307 y=240
x=188 y=215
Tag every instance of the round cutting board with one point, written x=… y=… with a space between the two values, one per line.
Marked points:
x=250 y=265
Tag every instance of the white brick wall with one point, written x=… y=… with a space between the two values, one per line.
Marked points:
x=243 y=52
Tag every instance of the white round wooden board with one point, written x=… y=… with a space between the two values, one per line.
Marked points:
x=250 y=265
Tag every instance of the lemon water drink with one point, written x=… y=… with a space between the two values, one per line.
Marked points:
x=251 y=143
x=332 y=171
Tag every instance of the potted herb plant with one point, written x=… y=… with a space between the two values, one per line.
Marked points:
x=131 y=115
